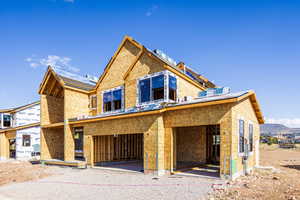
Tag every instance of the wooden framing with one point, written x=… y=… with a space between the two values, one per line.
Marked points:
x=117 y=148
x=250 y=94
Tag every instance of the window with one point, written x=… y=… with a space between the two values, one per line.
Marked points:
x=93 y=102
x=241 y=136
x=117 y=99
x=250 y=137
x=145 y=90
x=6 y=120
x=107 y=101
x=153 y=88
x=158 y=87
x=112 y=100
x=26 y=141
x=172 y=88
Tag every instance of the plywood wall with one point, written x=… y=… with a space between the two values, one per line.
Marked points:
x=52 y=110
x=52 y=143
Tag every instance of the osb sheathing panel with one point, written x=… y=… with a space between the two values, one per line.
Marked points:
x=52 y=143
x=114 y=76
x=152 y=128
x=4 y=143
x=52 y=110
x=145 y=65
x=87 y=145
x=209 y=115
x=76 y=104
x=191 y=144
x=184 y=88
x=120 y=126
x=244 y=110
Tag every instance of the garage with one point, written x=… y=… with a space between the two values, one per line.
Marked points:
x=197 y=150
x=123 y=151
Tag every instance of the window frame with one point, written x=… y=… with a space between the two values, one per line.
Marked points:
x=251 y=147
x=23 y=141
x=10 y=122
x=166 y=98
x=91 y=102
x=238 y=132
x=122 y=100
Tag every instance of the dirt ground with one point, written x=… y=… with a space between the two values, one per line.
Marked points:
x=20 y=171
x=283 y=182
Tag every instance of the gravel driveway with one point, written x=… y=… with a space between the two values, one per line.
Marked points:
x=106 y=184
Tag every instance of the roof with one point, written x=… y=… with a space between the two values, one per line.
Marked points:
x=11 y=110
x=74 y=80
x=19 y=127
x=159 y=108
x=169 y=64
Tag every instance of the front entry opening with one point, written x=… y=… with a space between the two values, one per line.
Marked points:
x=197 y=150
x=78 y=140
x=119 y=151
x=12 y=148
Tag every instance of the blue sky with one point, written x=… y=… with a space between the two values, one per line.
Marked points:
x=240 y=44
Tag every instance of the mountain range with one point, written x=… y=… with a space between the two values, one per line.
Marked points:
x=276 y=129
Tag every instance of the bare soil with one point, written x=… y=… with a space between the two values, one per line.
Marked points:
x=283 y=182
x=20 y=171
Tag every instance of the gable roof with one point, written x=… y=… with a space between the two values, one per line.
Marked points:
x=68 y=80
x=159 y=108
x=13 y=110
x=168 y=65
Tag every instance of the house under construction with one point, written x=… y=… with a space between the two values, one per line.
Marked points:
x=20 y=132
x=148 y=111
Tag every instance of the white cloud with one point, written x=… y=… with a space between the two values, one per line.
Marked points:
x=151 y=10
x=289 y=122
x=52 y=60
x=69 y=1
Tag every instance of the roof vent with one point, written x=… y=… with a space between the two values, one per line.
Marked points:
x=214 y=92
x=165 y=57
x=91 y=78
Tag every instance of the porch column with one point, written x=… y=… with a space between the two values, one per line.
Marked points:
x=45 y=153
x=225 y=147
x=4 y=147
x=154 y=156
x=69 y=144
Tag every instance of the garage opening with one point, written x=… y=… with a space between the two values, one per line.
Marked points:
x=197 y=150
x=119 y=151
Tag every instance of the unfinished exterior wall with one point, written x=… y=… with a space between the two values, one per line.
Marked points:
x=4 y=144
x=244 y=110
x=209 y=115
x=76 y=104
x=191 y=144
x=25 y=152
x=145 y=65
x=52 y=143
x=52 y=110
x=114 y=76
x=184 y=88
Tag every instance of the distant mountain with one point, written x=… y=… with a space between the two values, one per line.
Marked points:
x=275 y=129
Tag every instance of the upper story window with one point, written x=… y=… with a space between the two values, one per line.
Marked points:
x=6 y=120
x=113 y=100
x=161 y=86
x=172 y=88
x=93 y=102
x=241 y=136
x=250 y=137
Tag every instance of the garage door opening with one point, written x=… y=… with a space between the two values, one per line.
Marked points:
x=197 y=150
x=119 y=151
